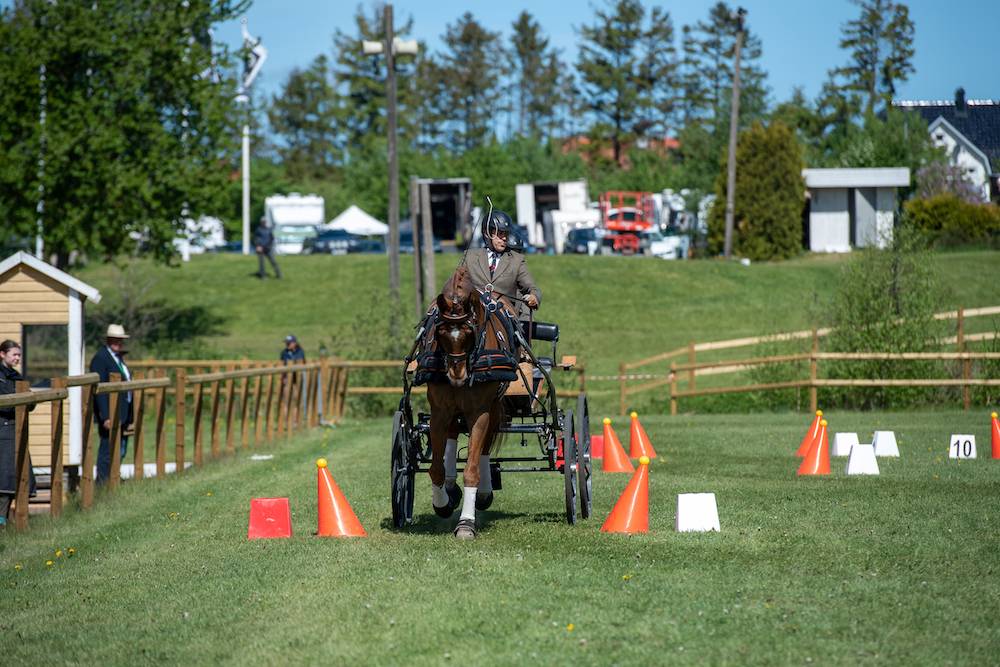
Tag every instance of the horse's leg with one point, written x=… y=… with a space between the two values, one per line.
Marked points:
x=479 y=423
x=450 y=455
x=484 y=493
x=444 y=501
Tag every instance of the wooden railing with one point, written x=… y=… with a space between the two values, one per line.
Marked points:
x=814 y=382
x=282 y=400
x=657 y=371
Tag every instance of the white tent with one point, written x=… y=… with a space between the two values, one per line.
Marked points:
x=356 y=221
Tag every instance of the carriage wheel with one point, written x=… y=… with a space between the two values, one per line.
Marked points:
x=569 y=466
x=403 y=474
x=583 y=464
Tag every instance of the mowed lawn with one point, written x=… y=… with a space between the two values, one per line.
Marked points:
x=900 y=568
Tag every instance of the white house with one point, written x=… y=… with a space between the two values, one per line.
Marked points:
x=969 y=132
x=851 y=208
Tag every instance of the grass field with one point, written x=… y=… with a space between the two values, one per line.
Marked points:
x=898 y=569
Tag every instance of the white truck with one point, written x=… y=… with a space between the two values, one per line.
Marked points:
x=293 y=218
x=550 y=210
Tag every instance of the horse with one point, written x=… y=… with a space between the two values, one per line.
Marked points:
x=471 y=330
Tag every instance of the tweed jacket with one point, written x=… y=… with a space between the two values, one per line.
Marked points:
x=512 y=277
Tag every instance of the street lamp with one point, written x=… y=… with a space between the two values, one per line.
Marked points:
x=253 y=60
x=391 y=47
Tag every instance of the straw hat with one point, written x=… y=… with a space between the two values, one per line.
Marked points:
x=116 y=331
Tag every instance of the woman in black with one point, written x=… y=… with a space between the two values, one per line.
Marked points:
x=10 y=359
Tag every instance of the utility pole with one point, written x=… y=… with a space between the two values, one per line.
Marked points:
x=391 y=47
x=734 y=117
x=254 y=57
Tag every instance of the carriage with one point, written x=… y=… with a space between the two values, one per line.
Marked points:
x=547 y=437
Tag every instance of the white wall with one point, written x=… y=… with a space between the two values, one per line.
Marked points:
x=973 y=169
x=829 y=222
x=885 y=215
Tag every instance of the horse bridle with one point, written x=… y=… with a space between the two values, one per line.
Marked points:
x=465 y=319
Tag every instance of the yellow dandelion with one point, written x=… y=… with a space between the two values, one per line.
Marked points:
x=209 y=493
x=626 y=577
x=58 y=553
x=71 y=551
x=570 y=627
x=18 y=567
x=49 y=563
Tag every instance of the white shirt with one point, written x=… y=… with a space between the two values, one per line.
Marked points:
x=493 y=257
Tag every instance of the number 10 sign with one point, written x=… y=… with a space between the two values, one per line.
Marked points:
x=962 y=447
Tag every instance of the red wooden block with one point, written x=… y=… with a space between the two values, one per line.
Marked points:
x=597 y=446
x=269 y=518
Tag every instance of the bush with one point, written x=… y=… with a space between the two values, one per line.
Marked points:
x=769 y=196
x=951 y=221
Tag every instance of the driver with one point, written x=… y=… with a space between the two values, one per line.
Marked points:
x=495 y=268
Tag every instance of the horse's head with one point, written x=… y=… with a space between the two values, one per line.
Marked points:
x=456 y=332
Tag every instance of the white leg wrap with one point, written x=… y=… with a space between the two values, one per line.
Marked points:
x=438 y=496
x=450 y=454
x=485 y=480
x=469 y=503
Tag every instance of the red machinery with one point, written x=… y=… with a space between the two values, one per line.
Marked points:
x=624 y=214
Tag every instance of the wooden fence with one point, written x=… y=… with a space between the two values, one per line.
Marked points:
x=660 y=370
x=278 y=400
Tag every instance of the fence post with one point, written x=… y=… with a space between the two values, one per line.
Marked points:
x=621 y=388
x=244 y=408
x=87 y=457
x=230 y=396
x=56 y=460
x=179 y=402
x=199 y=390
x=966 y=363
x=673 y=389
x=138 y=455
x=813 y=398
x=115 y=433
x=216 y=399
x=270 y=413
x=691 y=360
x=23 y=463
x=161 y=449
x=258 y=417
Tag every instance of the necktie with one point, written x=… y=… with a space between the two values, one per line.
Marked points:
x=493 y=262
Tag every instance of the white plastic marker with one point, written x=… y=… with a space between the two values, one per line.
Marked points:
x=842 y=443
x=885 y=444
x=862 y=460
x=697 y=513
x=962 y=447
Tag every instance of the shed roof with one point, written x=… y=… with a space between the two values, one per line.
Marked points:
x=50 y=271
x=879 y=177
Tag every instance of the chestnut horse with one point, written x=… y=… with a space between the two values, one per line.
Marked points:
x=465 y=327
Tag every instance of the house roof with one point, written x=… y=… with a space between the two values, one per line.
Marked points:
x=881 y=177
x=977 y=120
x=51 y=272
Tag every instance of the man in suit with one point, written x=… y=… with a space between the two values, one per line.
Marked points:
x=110 y=359
x=495 y=268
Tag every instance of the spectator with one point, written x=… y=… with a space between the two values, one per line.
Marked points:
x=110 y=359
x=10 y=359
x=263 y=241
x=292 y=352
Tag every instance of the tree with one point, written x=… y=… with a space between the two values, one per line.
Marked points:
x=470 y=70
x=802 y=117
x=627 y=69
x=304 y=115
x=140 y=123
x=536 y=73
x=900 y=139
x=880 y=43
x=769 y=196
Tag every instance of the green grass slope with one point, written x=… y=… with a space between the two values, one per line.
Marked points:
x=899 y=568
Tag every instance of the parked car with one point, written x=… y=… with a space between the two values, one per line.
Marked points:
x=330 y=241
x=672 y=246
x=406 y=243
x=585 y=241
x=367 y=246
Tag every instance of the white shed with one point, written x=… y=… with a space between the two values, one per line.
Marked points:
x=852 y=208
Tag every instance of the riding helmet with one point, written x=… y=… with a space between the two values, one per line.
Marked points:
x=498 y=221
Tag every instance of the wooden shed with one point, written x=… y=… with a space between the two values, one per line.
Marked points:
x=41 y=308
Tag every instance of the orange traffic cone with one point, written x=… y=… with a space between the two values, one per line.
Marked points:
x=817 y=461
x=638 y=442
x=631 y=513
x=810 y=435
x=614 y=454
x=995 y=435
x=336 y=518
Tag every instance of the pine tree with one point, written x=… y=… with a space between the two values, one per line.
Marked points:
x=304 y=116
x=471 y=72
x=140 y=131
x=769 y=196
x=536 y=72
x=880 y=43
x=627 y=69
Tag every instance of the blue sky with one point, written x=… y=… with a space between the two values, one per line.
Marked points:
x=957 y=41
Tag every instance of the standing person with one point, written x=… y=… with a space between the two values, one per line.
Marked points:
x=292 y=352
x=110 y=359
x=10 y=359
x=263 y=241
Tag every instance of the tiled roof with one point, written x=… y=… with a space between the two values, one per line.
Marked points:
x=979 y=121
